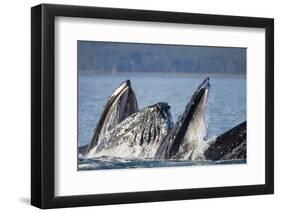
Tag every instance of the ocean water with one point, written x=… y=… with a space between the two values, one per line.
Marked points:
x=118 y=163
x=226 y=105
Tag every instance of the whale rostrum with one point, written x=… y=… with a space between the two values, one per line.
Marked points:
x=124 y=131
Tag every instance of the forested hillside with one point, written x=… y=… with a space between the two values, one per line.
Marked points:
x=129 y=57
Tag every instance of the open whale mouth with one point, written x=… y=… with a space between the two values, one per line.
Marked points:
x=187 y=122
x=121 y=104
x=124 y=100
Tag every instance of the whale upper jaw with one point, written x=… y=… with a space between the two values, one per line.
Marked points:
x=180 y=133
x=121 y=104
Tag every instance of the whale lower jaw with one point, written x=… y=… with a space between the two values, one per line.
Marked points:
x=194 y=144
x=185 y=138
x=121 y=104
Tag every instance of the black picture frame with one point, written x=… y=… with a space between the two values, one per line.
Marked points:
x=43 y=105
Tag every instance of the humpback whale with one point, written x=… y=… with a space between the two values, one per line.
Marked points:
x=123 y=131
x=183 y=141
x=229 y=145
x=138 y=136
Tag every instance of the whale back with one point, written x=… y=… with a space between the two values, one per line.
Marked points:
x=229 y=145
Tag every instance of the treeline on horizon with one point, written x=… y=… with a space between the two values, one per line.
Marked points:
x=129 y=57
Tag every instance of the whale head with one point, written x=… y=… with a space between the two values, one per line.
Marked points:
x=138 y=136
x=121 y=104
x=189 y=130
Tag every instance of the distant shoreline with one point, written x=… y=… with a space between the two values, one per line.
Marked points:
x=162 y=74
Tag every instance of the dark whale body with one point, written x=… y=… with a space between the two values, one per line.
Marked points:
x=230 y=145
